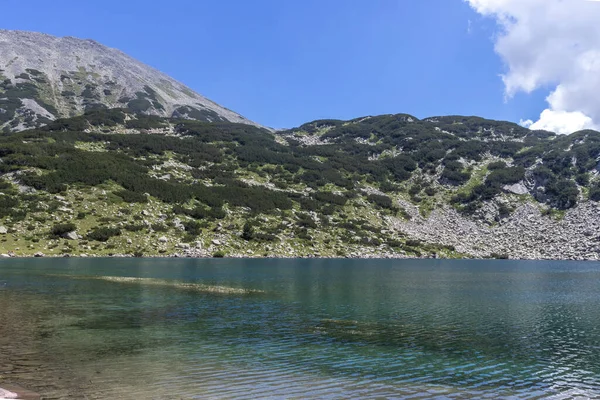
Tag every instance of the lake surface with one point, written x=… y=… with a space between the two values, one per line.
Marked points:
x=187 y=329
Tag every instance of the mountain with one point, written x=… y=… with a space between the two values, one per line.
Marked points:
x=43 y=78
x=113 y=182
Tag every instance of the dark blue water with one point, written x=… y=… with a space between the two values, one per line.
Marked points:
x=184 y=329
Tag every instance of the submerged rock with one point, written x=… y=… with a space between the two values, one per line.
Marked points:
x=5 y=394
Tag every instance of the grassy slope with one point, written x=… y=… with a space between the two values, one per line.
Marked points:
x=359 y=227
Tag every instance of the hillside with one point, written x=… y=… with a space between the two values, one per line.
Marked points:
x=43 y=78
x=114 y=182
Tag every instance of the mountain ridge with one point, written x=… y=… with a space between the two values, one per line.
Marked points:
x=112 y=182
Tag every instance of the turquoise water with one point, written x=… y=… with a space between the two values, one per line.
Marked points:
x=186 y=329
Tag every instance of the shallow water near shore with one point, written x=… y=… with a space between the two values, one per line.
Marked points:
x=189 y=328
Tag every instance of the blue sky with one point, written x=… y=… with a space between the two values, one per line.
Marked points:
x=284 y=63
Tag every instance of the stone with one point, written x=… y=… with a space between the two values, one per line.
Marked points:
x=3 y=230
x=5 y=394
x=216 y=242
x=71 y=235
x=163 y=239
x=39 y=254
x=129 y=241
x=178 y=225
x=12 y=391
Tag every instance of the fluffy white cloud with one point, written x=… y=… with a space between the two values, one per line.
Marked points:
x=551 y=43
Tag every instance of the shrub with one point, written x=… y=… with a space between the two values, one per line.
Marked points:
x=453 y=174
x=102 y=234
x=381 y=200
x=158 y=227
x=61 y=229
x=595 y=193
x=134 y=227
x=129 y=196
x=248 y=232
x=562 y=194
x=497 y=165
x=505 y=176
x=193 y=228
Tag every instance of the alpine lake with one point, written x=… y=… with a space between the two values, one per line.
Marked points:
x=306 y=328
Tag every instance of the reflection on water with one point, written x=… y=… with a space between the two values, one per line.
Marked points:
x=173 y=329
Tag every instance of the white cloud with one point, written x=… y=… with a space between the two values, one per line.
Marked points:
x=526 y=123
x=551 y=43
x=563 y=122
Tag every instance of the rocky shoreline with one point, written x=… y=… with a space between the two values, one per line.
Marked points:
x=526 y=234
x=529 y=232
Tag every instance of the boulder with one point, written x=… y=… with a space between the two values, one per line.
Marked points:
x=39 y=254
x=12 y=391
x=5 y=394
x=3 y=230
x=163 y=239
x=71 y=235
x=517 y=188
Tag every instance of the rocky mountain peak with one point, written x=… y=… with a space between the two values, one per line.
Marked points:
x=43 y=77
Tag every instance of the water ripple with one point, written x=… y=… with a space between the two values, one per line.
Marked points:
x=281 y=332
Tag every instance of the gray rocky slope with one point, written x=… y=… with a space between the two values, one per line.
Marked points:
x=43 y=78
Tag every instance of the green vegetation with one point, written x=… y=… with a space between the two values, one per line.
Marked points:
x=251 y=190
x=61 y=229
x=103 y=234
